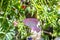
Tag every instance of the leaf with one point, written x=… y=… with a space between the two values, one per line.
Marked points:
x=8 y=36
x=5 y=24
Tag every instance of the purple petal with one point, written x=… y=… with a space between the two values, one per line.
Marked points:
x=23 y=0
x=37 y=29
x=31 y=22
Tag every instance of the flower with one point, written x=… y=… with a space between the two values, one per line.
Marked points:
x=23 y=0
x=23 y=7
x=32 y=23
x=37 y=29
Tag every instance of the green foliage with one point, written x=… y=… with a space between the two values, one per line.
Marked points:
x=47 y=11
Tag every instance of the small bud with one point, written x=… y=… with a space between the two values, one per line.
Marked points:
x=15 y=23
x=23 y=7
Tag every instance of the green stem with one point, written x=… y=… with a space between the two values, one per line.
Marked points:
x=1 y=3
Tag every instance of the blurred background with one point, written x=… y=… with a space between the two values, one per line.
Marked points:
x=13 y=12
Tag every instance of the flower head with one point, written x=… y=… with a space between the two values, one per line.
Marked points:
x=32 y=23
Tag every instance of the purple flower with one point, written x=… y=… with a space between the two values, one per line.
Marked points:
x=37 y=29
x=23 y=0
x=32 y=23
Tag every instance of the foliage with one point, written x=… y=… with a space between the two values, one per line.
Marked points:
x=48 y=13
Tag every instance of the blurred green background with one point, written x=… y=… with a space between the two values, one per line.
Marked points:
x=47 y=12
